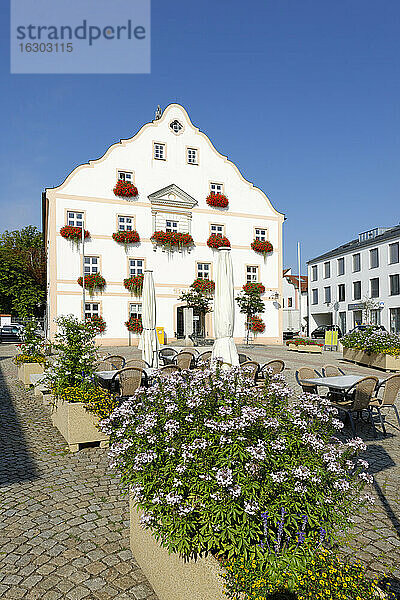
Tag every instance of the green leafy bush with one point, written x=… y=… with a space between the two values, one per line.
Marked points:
x=33 y=348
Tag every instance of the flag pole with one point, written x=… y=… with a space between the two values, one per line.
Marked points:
x=299 y=287
x=83 y=268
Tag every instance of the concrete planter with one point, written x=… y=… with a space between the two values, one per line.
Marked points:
x=306 y=348
x=27 y=369
x=77 y=425
x=374 y=360
x=171 y=577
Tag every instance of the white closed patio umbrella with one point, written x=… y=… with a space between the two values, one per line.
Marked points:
x=148 y=342
x=224 y=310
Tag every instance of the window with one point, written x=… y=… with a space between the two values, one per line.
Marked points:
x=340 y=266
x=327 y=294
x=314 y=273
x=357 y=317
x=203 y=270
x=136 y=266
x=314 y=296
x=342 y=322
x=356 y=263
x=260 y=234
x=217 y=229
x=357 y=290
x=91 y=265
x=192 y=156
x=342 y=292
x=374 y=258
x=395 y=320
x=216 y=188
x=375 y=316
x=159 y=151
x=327 y=270
x=135 y=310
x=290 y=302
x=125 y=176
x=91 y=309
x=394 y=253
x=374 y=283
x=176 y=126
x=125 y=223
x=171 y=225
x=251 y=273
x=74 y=219
x=394 y=281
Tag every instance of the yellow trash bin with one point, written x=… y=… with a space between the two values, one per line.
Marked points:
x=160 y=334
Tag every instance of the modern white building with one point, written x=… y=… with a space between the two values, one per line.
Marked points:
x=367 y=268
x=174 y=167
x=293 y=301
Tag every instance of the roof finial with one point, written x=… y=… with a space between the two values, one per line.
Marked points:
x=158 y=113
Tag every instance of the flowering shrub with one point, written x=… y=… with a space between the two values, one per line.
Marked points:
x=219 y=200
x=29 y=358
x=125 y=189
x=172 y=238
x=206 y=456
x=134 y=284
x=73 y=233
x=98 y=323
x=373 y=340
x=134 y=325
x=262 y=247
x=85 y=394
x=254 y=288
x=218 y=241
x=205 y=286
x=101 y=403
x=95 y=281
x=33 y=348
x=126 y=237
x=256 y=324
x=303 y=342
x=322 y=576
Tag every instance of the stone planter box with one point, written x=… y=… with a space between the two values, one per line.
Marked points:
x=306 y=348
x=171 y=577
x=374 y=360
x=77 y=425
x=27 y=369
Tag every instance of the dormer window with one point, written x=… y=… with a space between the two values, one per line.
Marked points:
x=176 y=126
x=192 y=156
x=125 y=176
x=171 y=225
x=159 y=151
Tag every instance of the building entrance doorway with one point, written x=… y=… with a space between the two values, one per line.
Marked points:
x=199 y=321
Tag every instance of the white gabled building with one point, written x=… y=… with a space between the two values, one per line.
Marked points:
x=174 y=166
x=341 y=280
x=292 y=301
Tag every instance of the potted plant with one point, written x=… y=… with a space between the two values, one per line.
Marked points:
x=217 y=200
x=125 y=189
x=73 y=233
x=126 y=237
x=172 y=239
x=264 y=247
x=374 y=348
x=134 y=284
x=305 y=345
x=134 y=325
x=205 y=286
x=250 y=304
x=216 y=241
x=93 y=281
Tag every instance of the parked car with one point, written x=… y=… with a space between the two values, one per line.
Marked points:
x=365 y=327
x=10 y=333
x=319 y=333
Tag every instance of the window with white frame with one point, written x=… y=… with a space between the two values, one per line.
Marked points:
x=125 y=176
x=125 y=223
x=314 y=273
x=260 y=234
x=136 y=266
x=203 y=270
x=91 y=265
x=327 y=270
x=135 y=310
x=314 y=296
x=216 y=188
x=217 y=229
x=251 y=273
x=92 y=309
x=340 y=266
x=159 y=151
x=192 y=156
x=394 y=253
x=327 y=294
x=171 y=225
x=74 y=219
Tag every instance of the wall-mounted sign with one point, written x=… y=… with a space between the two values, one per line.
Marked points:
x=357 y=306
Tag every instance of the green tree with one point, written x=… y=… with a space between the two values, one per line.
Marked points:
x=196 y=300
x=250 y=304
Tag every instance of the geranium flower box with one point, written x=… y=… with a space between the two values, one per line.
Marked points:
x=217 y=200
x=169 y=240
x=125 y=189
x=169 y=575
x=25 y=370
x=303 y=346
x=76 y=425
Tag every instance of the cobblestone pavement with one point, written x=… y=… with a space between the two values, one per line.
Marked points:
x=63 y=523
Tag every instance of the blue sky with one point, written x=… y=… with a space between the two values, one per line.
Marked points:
x=302 y=96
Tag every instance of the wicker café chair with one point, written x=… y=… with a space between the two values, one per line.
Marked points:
x=137 y=362
x=359 y=399
x=118 y=362
x=250 y=368
x=391 y=390
x=276 y=366
x=185 y=360
x=332 y=371
x=129 y=379
x=167 y=355
x=166 y=370
x=307 y=373
x=243 y=358
x=103 y=365
x=203 y=360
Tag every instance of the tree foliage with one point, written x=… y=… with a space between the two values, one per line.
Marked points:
x=196 y=300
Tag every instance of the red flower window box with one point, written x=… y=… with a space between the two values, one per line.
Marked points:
x=126 y=237
x=97 y=322
x=94 y=281
x=262 y=247
x=256 y=325
x=217 y=200
x=205 y=286
x=252 y=288
x=172 y=238
x=134 y=325
x=73 y=233
x=134 y=284
x=125 y=189
x=217 y=241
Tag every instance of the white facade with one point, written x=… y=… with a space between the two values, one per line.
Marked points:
x=365 y=268
x=173 y=166
x=290 y=303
